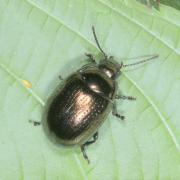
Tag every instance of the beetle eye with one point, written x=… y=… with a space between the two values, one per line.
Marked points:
x=115 y=75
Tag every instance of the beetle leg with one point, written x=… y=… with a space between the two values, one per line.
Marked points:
x=90 y=58
x=115 y=113
x=35 y=123
x=125 y=97
x=84 y=153
x=95 y=137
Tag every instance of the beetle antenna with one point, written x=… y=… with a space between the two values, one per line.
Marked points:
x=95 y=37
x=143 y=61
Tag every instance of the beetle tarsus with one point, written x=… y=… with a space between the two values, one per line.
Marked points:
x=131 y=98
x=35 y=123
x=119 y=116
x=90 y=58
x=84 y=153
x=95 y=137
x=115 y=113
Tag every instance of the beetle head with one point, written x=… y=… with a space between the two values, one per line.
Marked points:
x=110 y=67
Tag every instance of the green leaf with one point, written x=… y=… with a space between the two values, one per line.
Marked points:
x=155 y=3
x=150 y=3
x=173 y=3
x=40 y=40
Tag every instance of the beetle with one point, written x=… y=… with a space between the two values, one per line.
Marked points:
x=78 y=107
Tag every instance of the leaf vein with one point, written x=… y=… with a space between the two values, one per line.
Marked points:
x=19 y=80
x=140 y=25
x=163 y=120
x=60 y=21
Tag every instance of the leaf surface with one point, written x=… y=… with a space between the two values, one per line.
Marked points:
x=40 y=40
